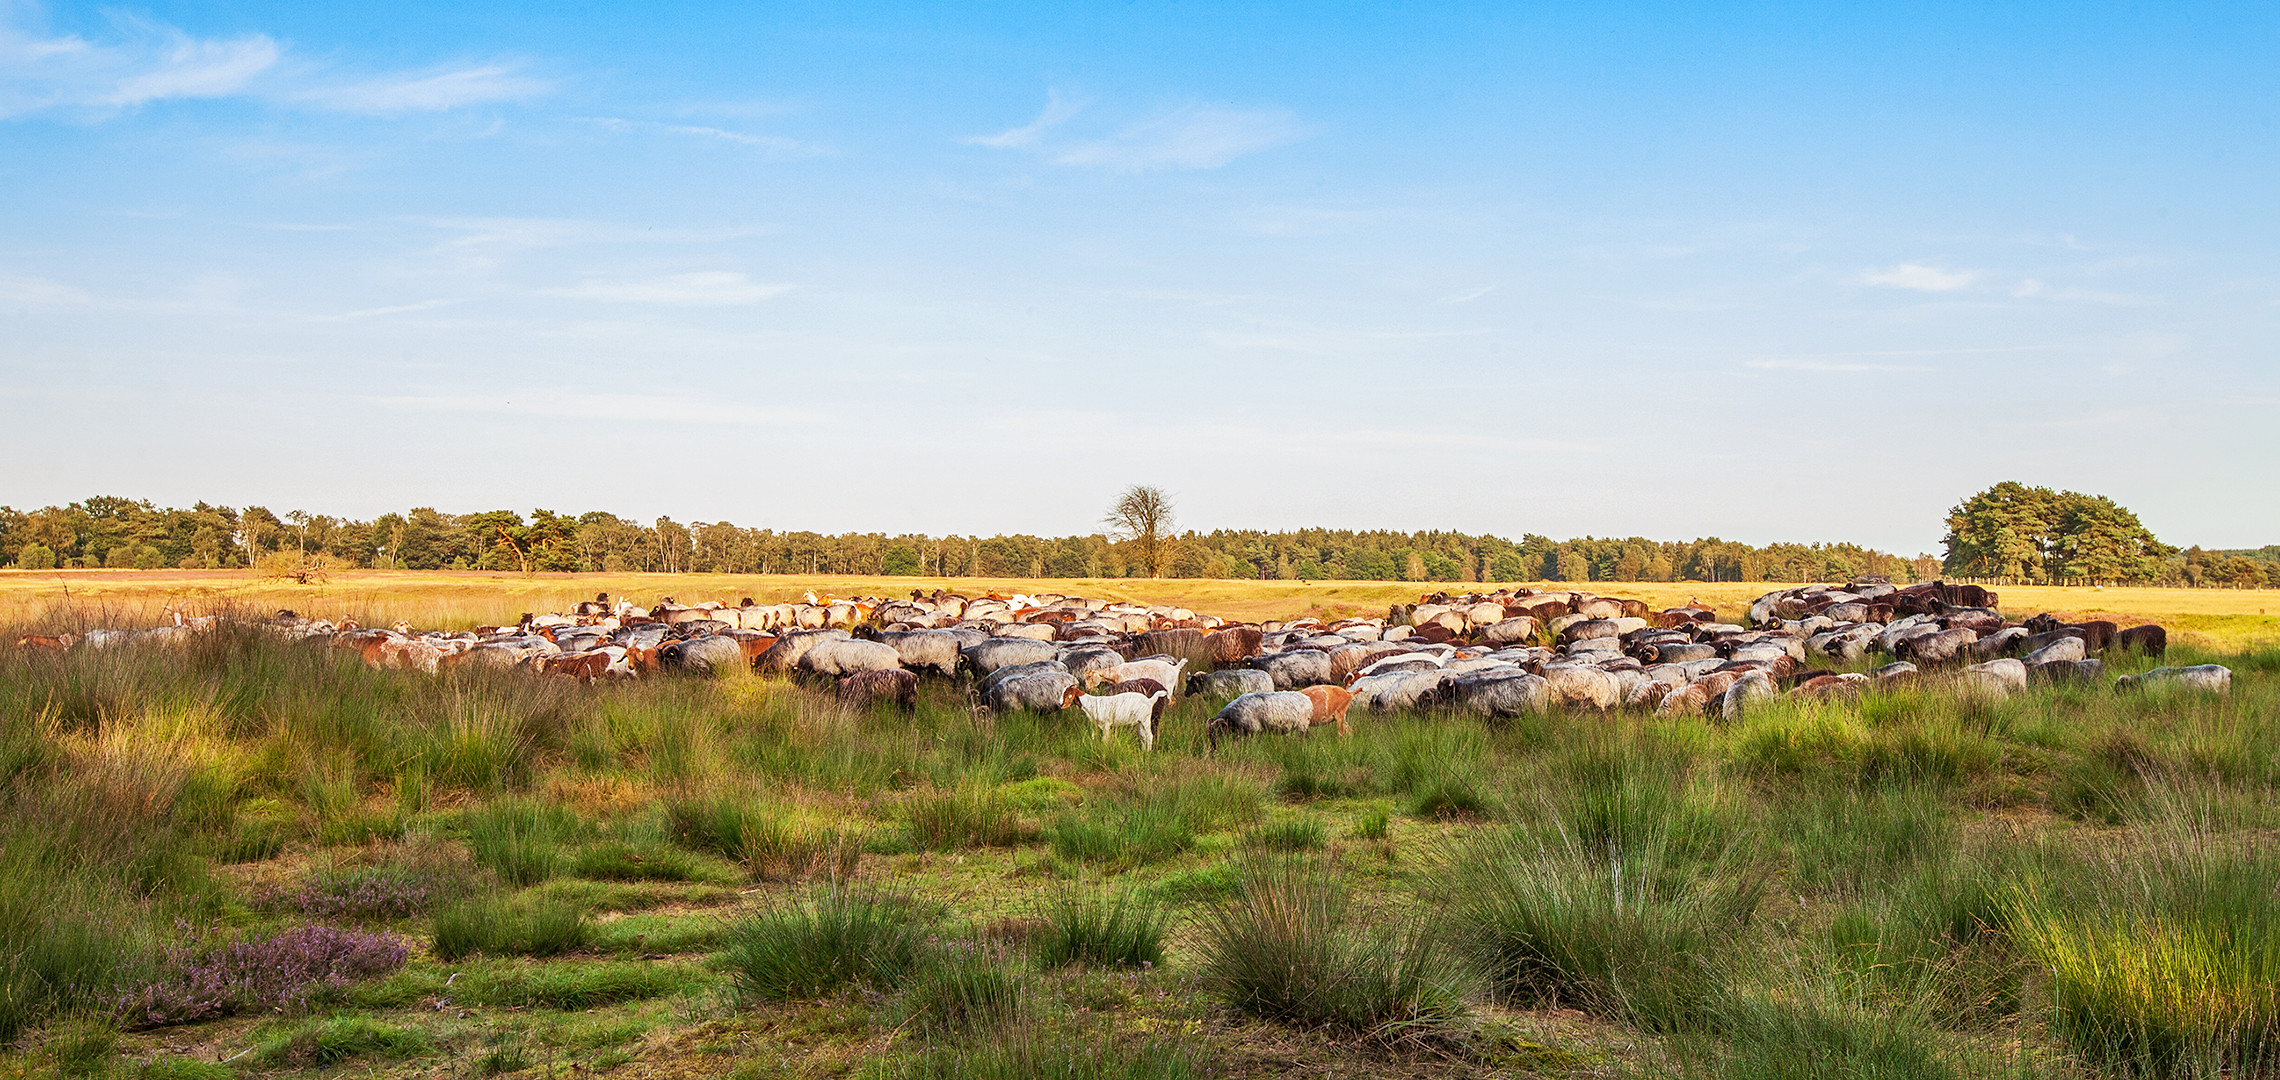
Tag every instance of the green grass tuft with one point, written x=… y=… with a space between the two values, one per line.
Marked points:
x=838 y=939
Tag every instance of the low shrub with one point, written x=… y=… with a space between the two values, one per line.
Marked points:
x=495 y=927
x=383 y=892
x=812 y=948
x=1293 y=949
x=282 y=973
x=1120 y=929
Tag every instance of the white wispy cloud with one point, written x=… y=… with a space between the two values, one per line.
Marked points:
x=775 y=145
x=1469 y=295
x=1808 y=364
x=396 y=309
x=1057 y=111
x=146 y=62
x=569 y=406
x=430 y=91
x=149 y=62
x=705 y=288
x=1188 y=137
x=1921 y=277
x=1195 y=137
x=24 y=293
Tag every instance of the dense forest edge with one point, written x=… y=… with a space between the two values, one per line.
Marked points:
x=2009 y=533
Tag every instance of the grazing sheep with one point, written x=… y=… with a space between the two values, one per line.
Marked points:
x=934 y=650
x=1754 y=686
x=1294 y=669
x=1393 y=690
x=989 y=682
x=867 y=688
x=2067 y=671
x=1083 y=662
x=1163 y=671
x=1231 y=683
x=1141 y=712
x=2064 y=650
x=2214 y=678
x=1997 y=678
x=1494 y=694
x=785 y=654
x=994 y=653
x=1042 y=691
x=1283 y=711
x=1578 y=684
x=2149 y=639
x=1937 y=647
x=846 y=656
x=709 y=655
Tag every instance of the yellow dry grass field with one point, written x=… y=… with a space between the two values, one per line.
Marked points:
x=2228 y=619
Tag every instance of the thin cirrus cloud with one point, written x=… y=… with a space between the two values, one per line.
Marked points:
x=776 y=146
x=1188 y=137
x=708 y=288
x=1920 y=277
x=148 y=62
x=433 y=91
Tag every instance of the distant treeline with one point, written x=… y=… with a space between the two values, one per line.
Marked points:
x=117 y=532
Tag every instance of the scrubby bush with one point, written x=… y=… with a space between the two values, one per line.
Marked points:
x=273 y=974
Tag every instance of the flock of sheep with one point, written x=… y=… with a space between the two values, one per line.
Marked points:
x=1498 y=654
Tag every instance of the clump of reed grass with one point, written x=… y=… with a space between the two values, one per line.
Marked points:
x=839 y=938
x=495 y=927
x=523 y=841
x=771 y=844
x=1294 y=948
x=1638 y=930
x=961 y=988
x=1115 y=929
x=2167 y=967
x=1288 y=835
x=967 y=815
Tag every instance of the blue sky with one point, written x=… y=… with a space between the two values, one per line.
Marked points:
x=1766 y=272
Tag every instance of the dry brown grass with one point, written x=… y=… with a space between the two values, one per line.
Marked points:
x=2224 y=618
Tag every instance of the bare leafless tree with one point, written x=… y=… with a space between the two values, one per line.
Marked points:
x=1142 y=517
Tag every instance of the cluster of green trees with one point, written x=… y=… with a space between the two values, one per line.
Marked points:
x=117 y=532
x=2009 y=532
x=2012 y=532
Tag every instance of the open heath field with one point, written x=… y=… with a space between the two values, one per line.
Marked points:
x=233 y=855
x=2213 y=618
